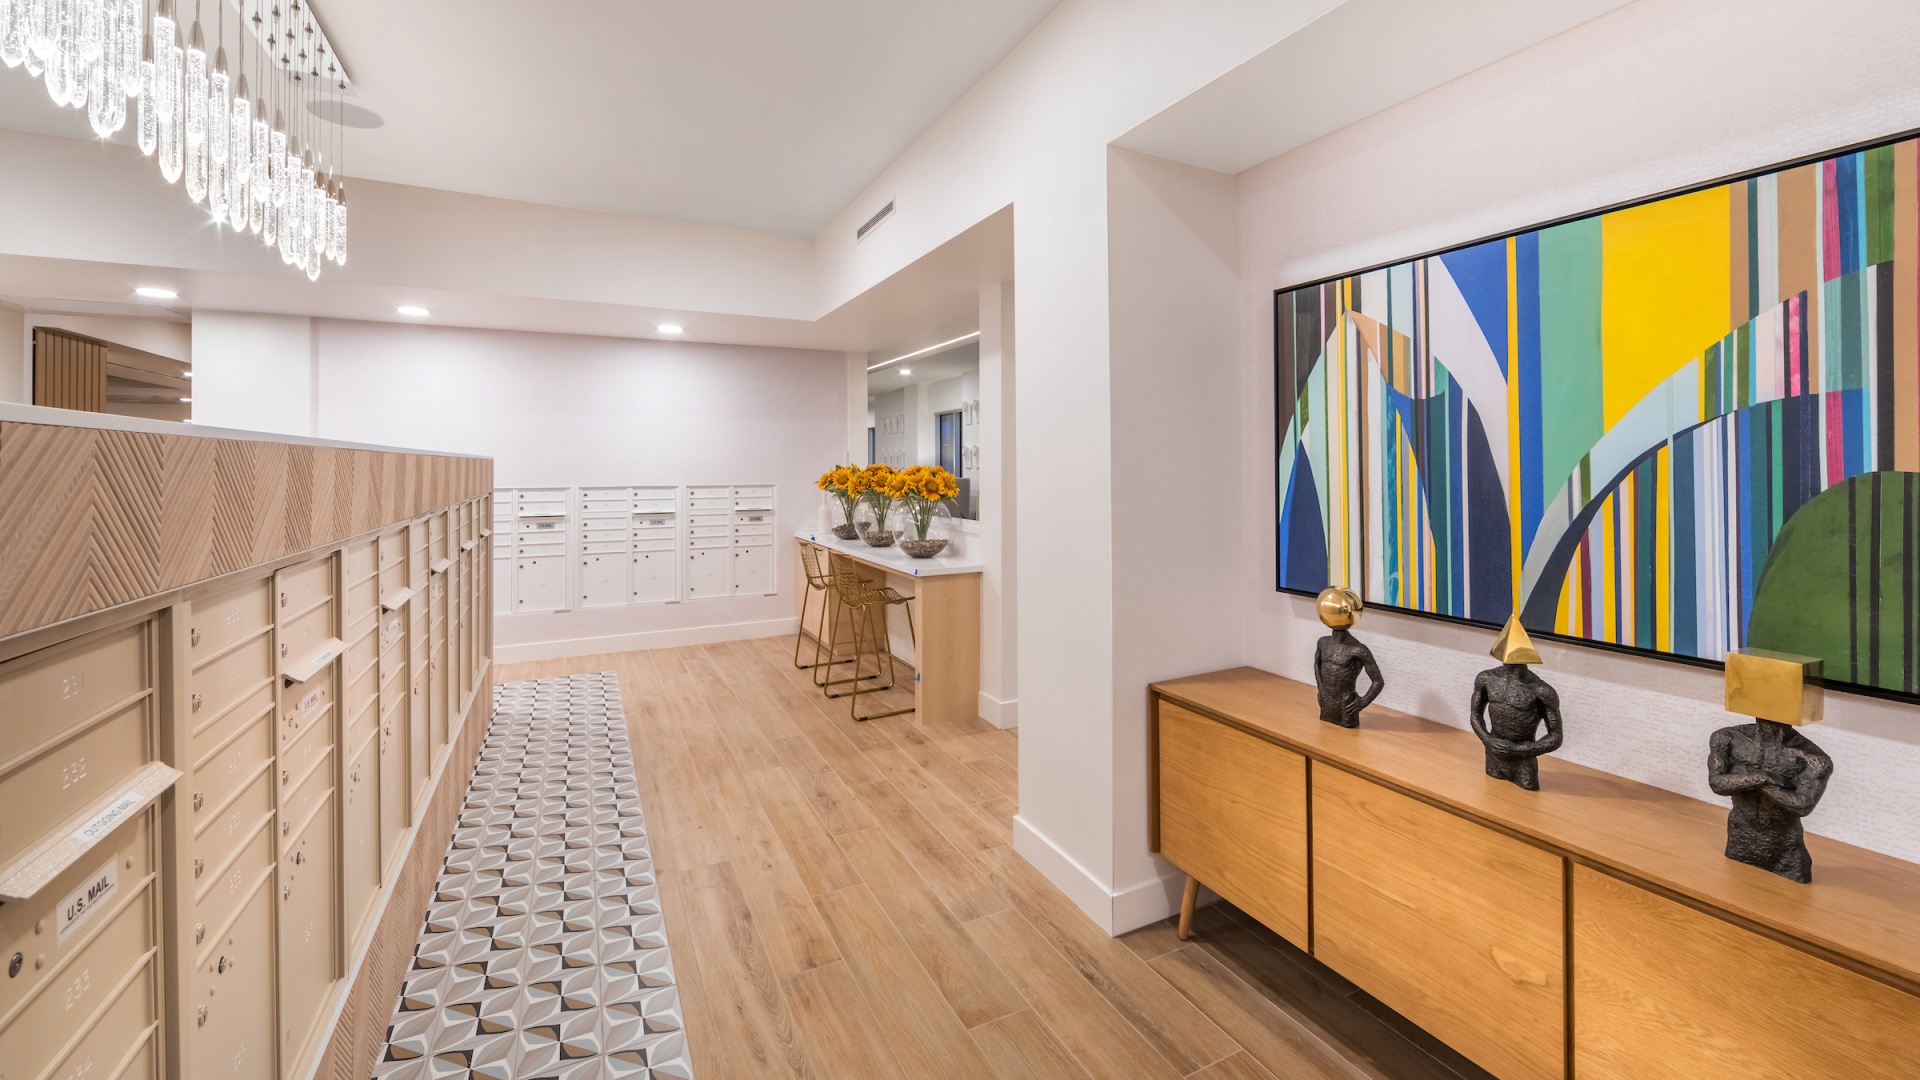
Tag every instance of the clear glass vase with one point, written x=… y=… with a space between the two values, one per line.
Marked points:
x=879 y=528
x=925 y=530
x=840 y=511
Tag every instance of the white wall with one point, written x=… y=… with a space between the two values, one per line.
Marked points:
x=1658 y=94
x=554 y=410
x=256 y=373
x=1177 y=463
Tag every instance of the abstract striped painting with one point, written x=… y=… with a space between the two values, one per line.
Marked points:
x=1683 y=426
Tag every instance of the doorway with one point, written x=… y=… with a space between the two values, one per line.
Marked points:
x=948 y=431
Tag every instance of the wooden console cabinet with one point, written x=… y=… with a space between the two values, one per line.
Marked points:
x=1592 y=930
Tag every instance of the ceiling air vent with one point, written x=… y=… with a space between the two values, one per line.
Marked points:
x=873 y=222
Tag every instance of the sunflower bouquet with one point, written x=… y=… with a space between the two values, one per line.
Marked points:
x=837 y=483
x=877 y=486
x=922 y=489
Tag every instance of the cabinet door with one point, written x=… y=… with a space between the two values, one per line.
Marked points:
x=540 y=583
x=230 y=1026
x=752 y=571
x=306 y=935
x=707 y=574
x=360 y=852
x=603 y=580
x=653 y=577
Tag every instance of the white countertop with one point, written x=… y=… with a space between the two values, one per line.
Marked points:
x=895 y=561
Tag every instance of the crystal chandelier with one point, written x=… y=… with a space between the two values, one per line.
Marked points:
x=240 y=157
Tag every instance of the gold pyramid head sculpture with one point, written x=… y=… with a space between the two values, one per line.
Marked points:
x=1774 y=686
x=1340 y=607
x=1513 y=646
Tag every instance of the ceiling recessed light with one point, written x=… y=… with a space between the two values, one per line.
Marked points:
x=906 y=371
x=155 y=292
x=413 y=312
x=671 y=328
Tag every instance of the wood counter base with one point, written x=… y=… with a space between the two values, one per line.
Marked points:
x=1593 y=929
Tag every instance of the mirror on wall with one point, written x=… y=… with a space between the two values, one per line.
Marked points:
x=926 y=411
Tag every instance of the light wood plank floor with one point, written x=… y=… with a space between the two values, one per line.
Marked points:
x=842 y=900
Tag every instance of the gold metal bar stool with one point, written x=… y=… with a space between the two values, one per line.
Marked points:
x=818 y=580
x=866 y=604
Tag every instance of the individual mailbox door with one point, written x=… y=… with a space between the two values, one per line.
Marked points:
x=120 y=1028
x=228 y=1018
x=105 y=960
x=236 y=612
x=307 y=951
x=603 y=579
x=394 y=803
x=48 y=933
x=233 y=676
x=360 y=852
x=419 y=755
x=652 y=578
x=63 y=779
x=752 y=571
x=707 y=573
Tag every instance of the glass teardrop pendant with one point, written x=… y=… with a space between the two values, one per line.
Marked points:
x=43 y=27
x=219 y=108
x=148 y=133
x=13 y=32
x=194 y=88
x=106 y=103
x=171 y=149
x=85 y=26
x=131 y=18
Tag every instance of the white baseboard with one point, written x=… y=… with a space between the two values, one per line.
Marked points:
x=1116 y=912
x=1082 y=887
x=1001 y=714
x=649 y=639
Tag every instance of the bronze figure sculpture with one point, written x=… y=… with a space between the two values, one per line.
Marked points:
x=1510 y=705
x=1774 y=774
x=1339 y=659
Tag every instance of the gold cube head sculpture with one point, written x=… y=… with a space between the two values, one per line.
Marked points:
x=1340 y=607
x=1513 y=646
x=1774 y=686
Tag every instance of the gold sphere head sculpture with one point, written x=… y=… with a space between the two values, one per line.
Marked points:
x=1514 y=646
x=1340 y=607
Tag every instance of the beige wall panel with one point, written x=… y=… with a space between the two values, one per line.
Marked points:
x=1233 y=813
x=1660 y=989
x=1453 y=925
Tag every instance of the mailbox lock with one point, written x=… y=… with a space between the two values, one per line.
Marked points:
x=285 y=827
x=194 y=635
x=283 y=599
x=199 y=867
x=199 y=800
x=286 y=892
x=223 y=965
x=196 y=703
x=14 y=965
x=199 y=933
x=299 y=858
x=201 y=1016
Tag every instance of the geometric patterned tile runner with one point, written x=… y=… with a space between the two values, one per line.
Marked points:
x=543 y=954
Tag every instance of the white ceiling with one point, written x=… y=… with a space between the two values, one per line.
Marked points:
x=770 y=115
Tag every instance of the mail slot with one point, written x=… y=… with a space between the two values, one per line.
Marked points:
x=228 y=765
x=222 y=829
x=76 y=989
x=116 y=1032
x=228 y=1016
x=301 y=587
x=63 y=779
x=222 y=618
x=59 y=918
x=230 y=678
x=46 y=693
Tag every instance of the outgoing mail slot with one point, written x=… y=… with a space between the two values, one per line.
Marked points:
x=222 y=618
x=75 y=990
x=48 y=928
x=118 y=1030
x=301 y=587
x=299 y=638
x=223 y=766
x=221 y=830
x=61 y=780
x=230 y=678
x=46 y=693
x=228 y=1016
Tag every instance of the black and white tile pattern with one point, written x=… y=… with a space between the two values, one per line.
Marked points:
x=544 y=954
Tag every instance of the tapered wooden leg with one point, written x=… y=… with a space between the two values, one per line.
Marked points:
x=1187 y=900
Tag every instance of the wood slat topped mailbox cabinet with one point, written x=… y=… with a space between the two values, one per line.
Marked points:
x=209 y=805
x=1591 y=930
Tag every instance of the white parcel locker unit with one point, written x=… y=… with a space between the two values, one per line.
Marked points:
x=655 y=556
x=605 y=542
x=542 y=538
x=753 y=516
x=505 y=519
